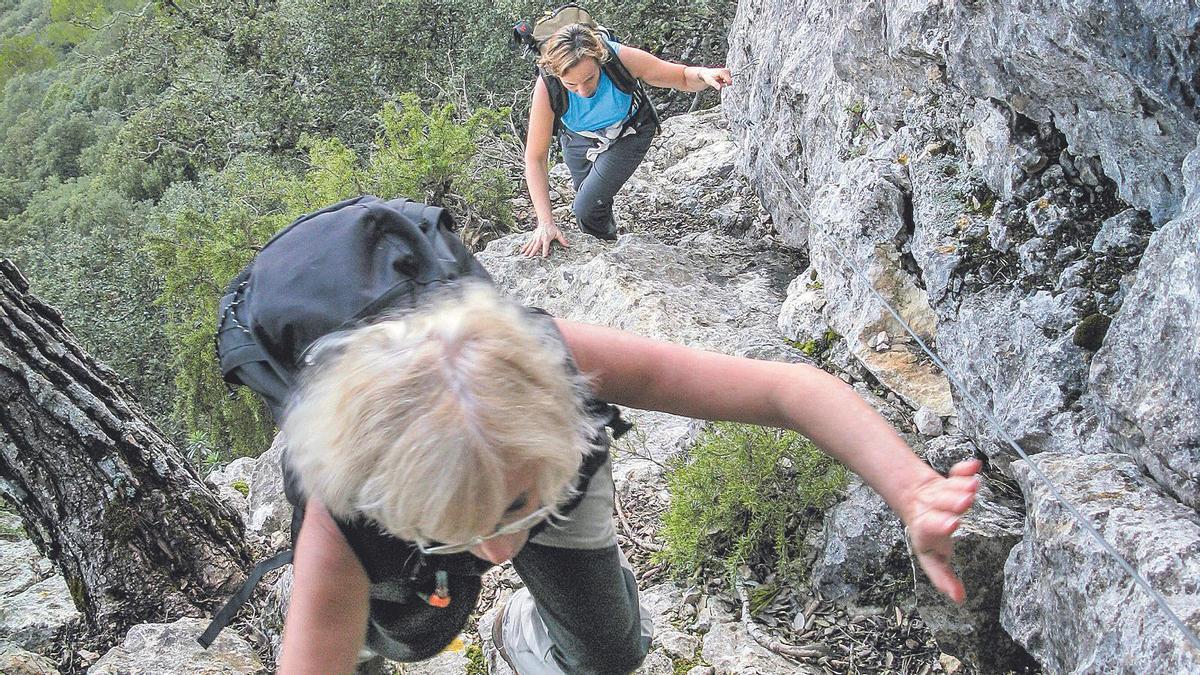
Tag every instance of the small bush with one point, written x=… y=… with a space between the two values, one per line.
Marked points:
x=743 y=495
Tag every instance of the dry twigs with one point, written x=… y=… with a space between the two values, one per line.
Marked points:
x=629 y=531
x=760 y=635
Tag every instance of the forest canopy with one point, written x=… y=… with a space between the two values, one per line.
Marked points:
x=148 y=148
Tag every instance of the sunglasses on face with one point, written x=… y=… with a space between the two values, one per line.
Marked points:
x=518 y=525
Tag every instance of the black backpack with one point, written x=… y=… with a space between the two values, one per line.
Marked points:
x=532 y=35
x=329 y=270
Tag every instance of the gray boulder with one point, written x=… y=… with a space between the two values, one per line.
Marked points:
x=1069 y=602
x=863 y=559
x=17 y=661
x=1146 y=378
x=172 y=648
x=35 y=604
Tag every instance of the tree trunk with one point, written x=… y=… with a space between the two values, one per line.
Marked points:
x=137 y=534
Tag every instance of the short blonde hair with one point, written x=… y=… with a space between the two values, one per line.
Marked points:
x=570 y=45
x=414 y=421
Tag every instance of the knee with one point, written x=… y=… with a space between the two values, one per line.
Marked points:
x=584 y=207
x=595 y=219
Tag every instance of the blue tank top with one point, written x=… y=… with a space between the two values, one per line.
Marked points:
x=606 y=106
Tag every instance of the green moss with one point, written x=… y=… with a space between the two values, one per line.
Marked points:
x=241 y=486
x=119 y=523
x=742 y=496
x=1090 y=332
x=683 y=666
x=476 y=663
x=817 y=347
x=75 y=587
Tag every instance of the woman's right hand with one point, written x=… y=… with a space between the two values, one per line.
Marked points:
x=543 y=237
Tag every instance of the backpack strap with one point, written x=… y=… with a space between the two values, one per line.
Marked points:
x=559 y=100
x=223 y=617
x=626 y=82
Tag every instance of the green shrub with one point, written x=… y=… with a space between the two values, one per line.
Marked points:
x=742 y=495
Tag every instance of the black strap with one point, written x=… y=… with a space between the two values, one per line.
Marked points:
x=223 y=617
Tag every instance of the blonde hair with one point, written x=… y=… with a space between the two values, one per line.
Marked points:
x=570 y=45
x=415 y=421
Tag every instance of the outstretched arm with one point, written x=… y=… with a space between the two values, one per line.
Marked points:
x=646 y=66
x=327 y=619
x=642 y=373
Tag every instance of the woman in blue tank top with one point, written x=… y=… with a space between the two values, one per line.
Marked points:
x=604 y=133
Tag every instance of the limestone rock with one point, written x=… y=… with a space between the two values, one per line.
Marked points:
x=860 y=217
x=928 y=422
x=863 y=557
x=172 y=648
x=656 y=663
x=1030 y=372
x=1069 y=602
x=35 y=604
x=233 y=483
x=17 y=661
x=1146 y=377
x=800 y=318
x=688 y=182
x=270 y=512
x=945 y=451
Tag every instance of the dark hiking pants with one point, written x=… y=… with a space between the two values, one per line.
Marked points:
x=597 y=182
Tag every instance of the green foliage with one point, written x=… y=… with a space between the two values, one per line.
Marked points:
x=241 y=486
x=476 y=663
x=23 y=53
x=742 y=495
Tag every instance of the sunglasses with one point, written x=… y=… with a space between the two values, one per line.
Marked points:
x=516 y=526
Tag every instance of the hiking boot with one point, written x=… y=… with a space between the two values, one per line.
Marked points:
x=608 y=233
x=491 y=632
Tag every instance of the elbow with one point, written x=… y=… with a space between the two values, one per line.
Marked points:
x=535 y=166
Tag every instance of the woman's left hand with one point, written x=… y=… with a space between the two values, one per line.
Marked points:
x=717 y=78
x=937 y=513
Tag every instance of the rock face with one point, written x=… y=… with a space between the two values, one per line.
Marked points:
x=1021 y=182
x=1145 y=378
x=172 y=648
x=1071 y=604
